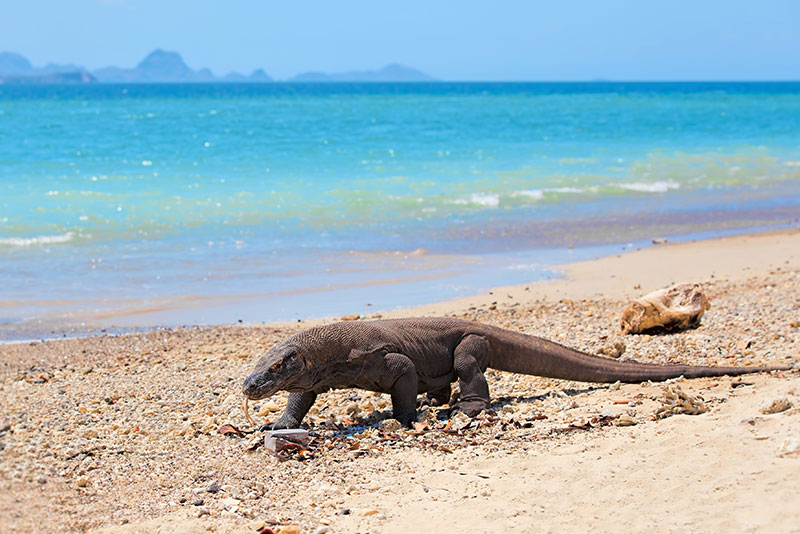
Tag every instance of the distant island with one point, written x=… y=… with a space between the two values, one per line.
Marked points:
x=161 y=66
x=390 y=73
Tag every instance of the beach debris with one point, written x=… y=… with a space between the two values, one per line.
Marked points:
x=625 y=420
x=659 y=241
x=427 y=416
x=790 y=447
x=594 y=422
x=287 y=443
x=675 y=308
x=676 y=401
x=459 y=420
x=389 y=425
x=778 y=405
x=227 y=430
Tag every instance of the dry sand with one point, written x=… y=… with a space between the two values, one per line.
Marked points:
x=120 y=433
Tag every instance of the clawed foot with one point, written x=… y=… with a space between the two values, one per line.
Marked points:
x=431 y=401
x=280 y=424
x=407 y=420
x=470 y=408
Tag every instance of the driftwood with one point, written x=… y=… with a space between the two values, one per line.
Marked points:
x=674 y=308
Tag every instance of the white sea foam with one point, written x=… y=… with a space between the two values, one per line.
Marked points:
x=489 y=200
x=652 y=187
x=36 y=241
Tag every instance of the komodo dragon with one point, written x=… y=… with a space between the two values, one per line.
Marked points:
x=405 y=357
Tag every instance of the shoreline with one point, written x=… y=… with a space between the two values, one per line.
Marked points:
x=578 y=280
x=617 y=276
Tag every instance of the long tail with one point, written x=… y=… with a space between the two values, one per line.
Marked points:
x=520 y=353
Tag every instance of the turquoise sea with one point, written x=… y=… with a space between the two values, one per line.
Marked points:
x=170 y=204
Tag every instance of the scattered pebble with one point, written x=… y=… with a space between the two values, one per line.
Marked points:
x=790 y=447
x=390 y=425
x=625 y=420
x=776 y=405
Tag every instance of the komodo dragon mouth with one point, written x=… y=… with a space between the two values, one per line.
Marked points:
x=277 y=370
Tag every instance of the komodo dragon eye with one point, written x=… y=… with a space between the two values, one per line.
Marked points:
x=275 y=366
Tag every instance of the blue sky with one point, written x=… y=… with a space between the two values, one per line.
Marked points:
x=452 y=40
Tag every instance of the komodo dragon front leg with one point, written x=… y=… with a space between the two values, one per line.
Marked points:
x=401 y=383
x=297 y=406
x=470 y=360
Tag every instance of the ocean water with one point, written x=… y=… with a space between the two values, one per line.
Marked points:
x=171 y=204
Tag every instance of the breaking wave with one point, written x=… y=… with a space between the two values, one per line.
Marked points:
x=41 y=240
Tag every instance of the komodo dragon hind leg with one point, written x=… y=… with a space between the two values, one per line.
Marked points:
x=401 y=377
x=470 y=359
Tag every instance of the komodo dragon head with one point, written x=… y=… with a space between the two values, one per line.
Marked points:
x=282 y=368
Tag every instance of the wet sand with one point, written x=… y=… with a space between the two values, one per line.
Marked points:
x=121 y=433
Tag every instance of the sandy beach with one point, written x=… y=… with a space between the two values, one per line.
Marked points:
x=120 y=434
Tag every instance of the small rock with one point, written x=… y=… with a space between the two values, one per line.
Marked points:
x=82 y=482
x=625 y=420
x=613 y=350
x=776 y=405
x=427 y=416
x=230 y=502
x=790 y=446
x=213 y=487
x=459 y=419
x=288 y=529
x=267 y=408
x=659 y=240
x=369 y=513
x=343 y=511
x=508 y=409
x=202 y=511
x=322 y=529
x=198 y=502
x=390 y=425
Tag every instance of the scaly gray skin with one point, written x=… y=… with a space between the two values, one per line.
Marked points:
x=405 y=357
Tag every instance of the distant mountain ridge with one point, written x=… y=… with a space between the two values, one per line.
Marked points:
x=161 y=66
x=394 y=72
x=15 y=68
